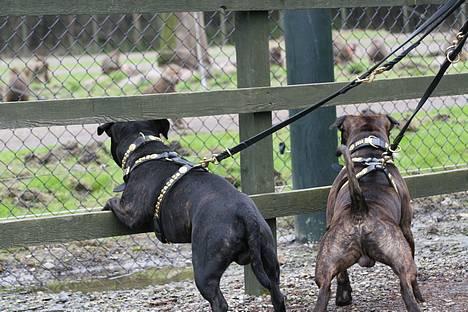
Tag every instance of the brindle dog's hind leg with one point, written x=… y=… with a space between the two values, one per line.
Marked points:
x=392 y=248
x=406 y=217
x=337 y=253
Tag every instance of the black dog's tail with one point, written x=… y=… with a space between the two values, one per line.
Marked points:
x=264 y=261
x=358 y=203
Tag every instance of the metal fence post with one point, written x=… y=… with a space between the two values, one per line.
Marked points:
x=309 y=58
x=253 y=69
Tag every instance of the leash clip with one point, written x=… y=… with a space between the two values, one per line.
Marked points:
x=448 y=52
x=205 y=162
x=372 y=75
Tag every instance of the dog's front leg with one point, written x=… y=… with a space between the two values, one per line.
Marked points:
x=132 y=218
x=112 y=204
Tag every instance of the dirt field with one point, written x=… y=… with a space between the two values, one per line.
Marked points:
x=441 y=233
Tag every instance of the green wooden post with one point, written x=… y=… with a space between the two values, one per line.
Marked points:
x=309 y=57
x=253 y=70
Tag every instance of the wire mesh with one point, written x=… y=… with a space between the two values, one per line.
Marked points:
x=55 y=170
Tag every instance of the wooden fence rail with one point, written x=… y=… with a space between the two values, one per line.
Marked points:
x=100 y=224
x=246 y=100
x=92 y=7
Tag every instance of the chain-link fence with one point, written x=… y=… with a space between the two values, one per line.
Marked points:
x=54 y=170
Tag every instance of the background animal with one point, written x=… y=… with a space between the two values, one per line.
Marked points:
x=377 y=51
x=343 y=53
x=276 y=56
x=167 y=84
x=17 y=88
x=111 y=62
x=39 y=68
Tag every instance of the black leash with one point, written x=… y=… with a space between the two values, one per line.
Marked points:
x=425 y=29
x=452 y=55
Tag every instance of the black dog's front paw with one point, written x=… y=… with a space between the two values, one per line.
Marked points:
x=111 y=203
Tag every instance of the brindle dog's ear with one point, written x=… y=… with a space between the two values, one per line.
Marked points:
x=338 y=123
x=105 y=127
x=393 y=122
x=162 y=126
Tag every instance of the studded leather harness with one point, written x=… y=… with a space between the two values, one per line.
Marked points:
x=372 y=164
x=170 y=156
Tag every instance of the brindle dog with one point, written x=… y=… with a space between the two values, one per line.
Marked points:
x=223 y=224
x=367 y=221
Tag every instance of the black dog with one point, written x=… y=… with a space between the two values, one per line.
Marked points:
x=223 y=224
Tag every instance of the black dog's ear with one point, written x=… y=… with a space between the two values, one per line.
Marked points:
x=105 y=127
x=338 y=123
x=393 y=122
x=162 y=126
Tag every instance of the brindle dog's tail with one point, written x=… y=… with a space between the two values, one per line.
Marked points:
x=358 y=203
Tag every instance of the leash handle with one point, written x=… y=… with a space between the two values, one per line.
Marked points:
x=452 y=55
x=426 y=28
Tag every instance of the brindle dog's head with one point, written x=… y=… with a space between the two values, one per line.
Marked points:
x=355 y=127
x=123 y=134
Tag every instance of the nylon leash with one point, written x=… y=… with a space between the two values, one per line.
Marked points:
x=424 y=30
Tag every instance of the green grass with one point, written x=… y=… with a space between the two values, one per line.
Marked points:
x=436 y=144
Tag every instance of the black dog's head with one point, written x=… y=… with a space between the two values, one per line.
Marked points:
x=353 y=127
x=123 y=134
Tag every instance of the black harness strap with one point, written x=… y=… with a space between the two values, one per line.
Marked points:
x=451 y=56
x=425 y=29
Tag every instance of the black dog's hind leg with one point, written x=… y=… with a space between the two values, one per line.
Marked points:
x=208 y=274
x=343 y=289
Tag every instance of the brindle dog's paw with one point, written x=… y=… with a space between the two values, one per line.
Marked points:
x=343 y=296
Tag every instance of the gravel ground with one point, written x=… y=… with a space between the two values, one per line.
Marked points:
x=441 y=234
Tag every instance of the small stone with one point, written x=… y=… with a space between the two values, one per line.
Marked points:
x=63 y=297
x=48 y=265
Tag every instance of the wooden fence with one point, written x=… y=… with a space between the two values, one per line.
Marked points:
x=254 y=101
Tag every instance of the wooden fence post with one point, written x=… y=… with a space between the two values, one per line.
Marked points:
x=253 y=70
